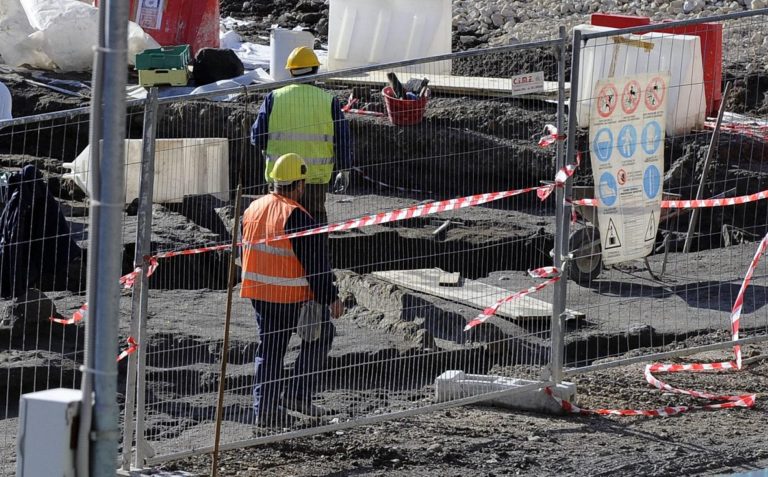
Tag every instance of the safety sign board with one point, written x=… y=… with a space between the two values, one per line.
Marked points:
x=527 y=83
x=627 y=150
x=150 y=14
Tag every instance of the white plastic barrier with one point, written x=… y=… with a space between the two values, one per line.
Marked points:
x=6 y=103
x=283 y=42
x=182 y=167
x=680 y=55
x=368 y=32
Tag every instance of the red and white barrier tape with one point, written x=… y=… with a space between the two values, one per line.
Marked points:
x=757 y=131
x=692 y=204
x=132 y=347
x=553 y=275
x=347 y=108
x=550 y=136
x=78 y=316
x=727 y=401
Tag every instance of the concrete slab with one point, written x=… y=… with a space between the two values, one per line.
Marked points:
x=455 y=384
x=470 y=292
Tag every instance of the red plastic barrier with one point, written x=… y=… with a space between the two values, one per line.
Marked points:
x=711 y=35
x=179 y=22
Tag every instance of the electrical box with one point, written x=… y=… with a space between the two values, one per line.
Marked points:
x=48 y=422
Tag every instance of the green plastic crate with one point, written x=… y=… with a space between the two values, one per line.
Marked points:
x=165 y=58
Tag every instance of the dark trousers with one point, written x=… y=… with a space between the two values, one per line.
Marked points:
x=314 y=201
x=277 y=322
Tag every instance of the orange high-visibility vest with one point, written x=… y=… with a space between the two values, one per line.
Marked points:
x=271 y=271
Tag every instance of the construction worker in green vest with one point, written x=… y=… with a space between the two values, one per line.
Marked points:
x=306 y=120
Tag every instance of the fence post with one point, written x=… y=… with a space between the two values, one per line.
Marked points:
x=134 y=389
x=563 y=209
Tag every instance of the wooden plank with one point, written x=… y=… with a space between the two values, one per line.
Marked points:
x=497 y=87
x=470 y=292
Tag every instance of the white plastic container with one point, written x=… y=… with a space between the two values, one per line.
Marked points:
x=680 y=55
x=283 y=42
x=188 y=166
x=368 y=32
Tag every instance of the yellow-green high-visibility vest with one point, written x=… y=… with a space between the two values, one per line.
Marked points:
x=301 y=122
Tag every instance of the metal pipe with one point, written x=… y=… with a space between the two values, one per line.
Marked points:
x=705 y=170
x=562 y=209
x=139 y=298
x=104 y=291
x=668 y=354
x=82 y=458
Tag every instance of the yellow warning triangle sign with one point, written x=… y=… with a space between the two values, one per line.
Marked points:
x=612 y=236
x=650 y=232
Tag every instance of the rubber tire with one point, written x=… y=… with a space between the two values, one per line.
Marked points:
x=587 y=267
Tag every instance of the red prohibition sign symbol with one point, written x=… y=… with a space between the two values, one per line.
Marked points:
x=654 y=93
x=630 y=97
x=607 y=100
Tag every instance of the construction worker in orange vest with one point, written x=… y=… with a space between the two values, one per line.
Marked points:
x=304 y=119
x=287 y=280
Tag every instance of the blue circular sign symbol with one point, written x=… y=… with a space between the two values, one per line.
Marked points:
x=652 y=181
x=607 y=189
x=651 y=137
x=603 y=144
x=627 y=143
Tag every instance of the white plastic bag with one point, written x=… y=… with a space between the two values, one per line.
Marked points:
x=57 y=34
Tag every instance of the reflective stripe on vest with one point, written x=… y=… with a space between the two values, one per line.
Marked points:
x=287 y=136
x=271 y=270
x=286 y=282
x=301 y=122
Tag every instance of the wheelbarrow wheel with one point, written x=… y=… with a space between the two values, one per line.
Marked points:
x=587 y=262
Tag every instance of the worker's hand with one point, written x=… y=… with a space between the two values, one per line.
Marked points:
x=341 y=183
x=337 y=308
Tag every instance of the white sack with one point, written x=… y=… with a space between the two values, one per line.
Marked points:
x=60 y=34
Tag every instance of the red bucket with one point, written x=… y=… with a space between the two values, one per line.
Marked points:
x=404 y=112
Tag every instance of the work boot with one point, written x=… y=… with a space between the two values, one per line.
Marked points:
x=308 y=408
x=275 y=418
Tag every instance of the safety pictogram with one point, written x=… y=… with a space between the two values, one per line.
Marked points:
x=655 y=93
x=630 y=97
x=621 y=176
x=650 y=231
x=612 y=236
x=607 y=100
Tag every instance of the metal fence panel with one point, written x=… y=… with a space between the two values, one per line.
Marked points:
x=396 y=337
x=675 y=299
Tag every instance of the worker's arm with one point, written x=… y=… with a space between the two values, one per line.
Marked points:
x=260 y=128
x=342 y=140
x=312 y=252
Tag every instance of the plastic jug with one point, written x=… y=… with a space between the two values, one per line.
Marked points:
x=283 y=42
x=368 y=32
x=188 y=166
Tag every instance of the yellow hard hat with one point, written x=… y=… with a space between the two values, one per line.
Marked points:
x=302 y=57
x=288 y=168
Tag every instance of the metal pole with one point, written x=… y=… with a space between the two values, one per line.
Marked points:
x=139 y=298
x=82 y=458
x=705 y=171
x=563 y=210
x=227 y=321
x=104 y=291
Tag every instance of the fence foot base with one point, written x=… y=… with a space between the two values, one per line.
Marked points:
x=453 y=385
